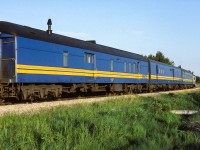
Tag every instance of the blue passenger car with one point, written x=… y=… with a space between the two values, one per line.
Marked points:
x=45 y=62
x=164 y=75
x=188 y=77
x=36 y=63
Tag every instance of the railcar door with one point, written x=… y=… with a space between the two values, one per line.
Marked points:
x=89 y=64
x=7 y=57
x=194 y=79
x=139 y=70
x=182 y=75
x=173 y=73
x=157 y=73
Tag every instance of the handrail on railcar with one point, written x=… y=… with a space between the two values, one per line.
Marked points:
x=7 y=59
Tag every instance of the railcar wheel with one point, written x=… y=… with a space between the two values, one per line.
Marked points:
x=51 y=96
x=20 y=96
x=33 y=98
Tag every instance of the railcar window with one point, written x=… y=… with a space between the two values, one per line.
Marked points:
x=65 y=59
x=89 y=58
x=134 y=68
x=129 y=66
x=161 y=71
x=125 y=67
x=111 y=65
x=138 y=67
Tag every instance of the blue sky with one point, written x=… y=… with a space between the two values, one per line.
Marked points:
x=139 y=26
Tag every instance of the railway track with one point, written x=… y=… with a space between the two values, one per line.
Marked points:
x=18 y=108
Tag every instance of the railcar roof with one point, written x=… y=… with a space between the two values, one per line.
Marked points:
x=158 y=62
x=170 y=66
x=28 y=32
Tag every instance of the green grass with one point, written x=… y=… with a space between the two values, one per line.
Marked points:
x=141 y=123
x=198 y=85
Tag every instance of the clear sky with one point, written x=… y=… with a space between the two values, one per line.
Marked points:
x=139 y=26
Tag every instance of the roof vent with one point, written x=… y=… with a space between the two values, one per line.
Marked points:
x=49 y=23
x=92 y=41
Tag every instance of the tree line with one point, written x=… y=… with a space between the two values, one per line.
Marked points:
x=197 y=79
x=161 y=58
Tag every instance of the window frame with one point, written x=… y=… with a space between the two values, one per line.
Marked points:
x=65 y=58
x=89 y=58
x=139 y=67
x=111 y=65
x=125 y=67
x=134 y=67
x=129 y=67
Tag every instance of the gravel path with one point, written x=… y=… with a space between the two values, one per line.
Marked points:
x=35 y=107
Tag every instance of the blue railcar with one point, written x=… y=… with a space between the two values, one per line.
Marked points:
x=36 y=63
x=43 y=62
x=188 y=77
x=165 y=76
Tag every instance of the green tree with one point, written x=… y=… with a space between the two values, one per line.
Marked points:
x=161 y=58
x=197 y=79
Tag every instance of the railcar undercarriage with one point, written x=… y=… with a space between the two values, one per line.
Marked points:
x=32 y=92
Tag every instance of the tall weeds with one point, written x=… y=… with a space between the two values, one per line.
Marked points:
x=141 y=123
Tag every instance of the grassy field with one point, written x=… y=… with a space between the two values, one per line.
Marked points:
x=198 y=85
x=141 y=123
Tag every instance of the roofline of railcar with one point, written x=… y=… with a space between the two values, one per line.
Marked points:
x=36 y=34
x=170 y=65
